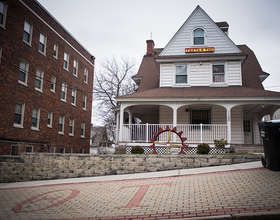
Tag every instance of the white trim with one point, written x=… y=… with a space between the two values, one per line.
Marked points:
x=56 y=54
x=205 y=37
x=57 y=32
x=218 y=84
x=53 y=90
x=51 y=119
x=73 y=120
x=41 y=80
x=174 y=75
x=45 y=44
x=36 y=128
x=65 y=98
x=84 y=101
x=26 y=72
x=63 y=123
x=75 y=96
x=67 y=61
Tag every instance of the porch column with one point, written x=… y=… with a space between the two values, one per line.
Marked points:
x=174 y=116
x=121 y=122
x=117 y=126
x=228 y=124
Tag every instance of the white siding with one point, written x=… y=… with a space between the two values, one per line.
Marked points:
x=237 y=125
x=165 y=115
x=199 y=74
x=234 y=73
x=256 y=136
x=183 y=116
x=219 y=115
x=215 y=37
x=166 y=75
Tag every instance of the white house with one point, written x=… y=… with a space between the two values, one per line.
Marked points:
x=202 y=84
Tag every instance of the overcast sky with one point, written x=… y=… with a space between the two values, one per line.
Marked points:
x=119 y=28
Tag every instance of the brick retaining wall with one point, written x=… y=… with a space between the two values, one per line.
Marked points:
x=45 y=166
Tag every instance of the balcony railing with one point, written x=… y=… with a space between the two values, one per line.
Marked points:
x=195 y=133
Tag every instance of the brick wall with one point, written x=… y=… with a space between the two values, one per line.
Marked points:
x=13 y=50
x=27 y=167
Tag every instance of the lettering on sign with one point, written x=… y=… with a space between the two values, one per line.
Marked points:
x=200 y=50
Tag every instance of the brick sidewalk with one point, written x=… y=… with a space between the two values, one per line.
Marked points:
x=244 y=191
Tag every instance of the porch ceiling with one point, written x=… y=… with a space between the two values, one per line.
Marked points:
x=145 y=109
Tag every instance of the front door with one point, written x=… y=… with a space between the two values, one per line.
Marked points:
x=247 y=128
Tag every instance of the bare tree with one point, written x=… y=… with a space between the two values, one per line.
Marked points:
x=112 y=80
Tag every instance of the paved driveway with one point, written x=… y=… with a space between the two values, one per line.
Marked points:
x=223 y=192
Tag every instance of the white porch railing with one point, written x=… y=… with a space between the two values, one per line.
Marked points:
x=195 y=133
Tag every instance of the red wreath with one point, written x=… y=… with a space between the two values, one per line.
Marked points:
x=167 y=129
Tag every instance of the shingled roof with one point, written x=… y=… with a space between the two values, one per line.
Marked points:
x=251 y=83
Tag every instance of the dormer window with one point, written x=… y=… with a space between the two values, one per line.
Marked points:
x=198 y=37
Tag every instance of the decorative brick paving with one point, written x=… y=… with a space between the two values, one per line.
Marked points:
x=211 y=194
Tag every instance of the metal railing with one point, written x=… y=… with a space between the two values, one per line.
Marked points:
x=195 y=133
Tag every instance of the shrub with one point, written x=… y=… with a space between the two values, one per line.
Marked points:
x=137 y=150
x=220 y=143
x=203 y=148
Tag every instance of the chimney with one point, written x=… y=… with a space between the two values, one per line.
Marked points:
x=150 y=47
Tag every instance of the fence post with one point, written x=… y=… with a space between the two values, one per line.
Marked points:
x=200 y=132
x=147 y=132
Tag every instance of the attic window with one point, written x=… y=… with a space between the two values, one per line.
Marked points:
x=198 y=37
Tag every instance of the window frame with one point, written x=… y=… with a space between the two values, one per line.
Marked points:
x=35 y=128
x=176 y=74
x=224 y=74
x=75 y=96
x=66 y=61
x=44 y=44
x=65 y=92
x=84 y=102
x=55 y=51
x=41 y=79
x=25 y=71
x=62 y=124
x=50 y=118
x=83 y=128
x=204 y=37
x=86 y=75
x=30 y=34
x=3 y=24
x=62 y=149
x=29 y=146
x=22 y=115
x=75 y=68
x=71 y=124
x=53 y=83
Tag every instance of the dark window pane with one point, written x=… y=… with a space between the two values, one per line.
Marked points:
x=198 y=40
x=26 y=36
x=21 y=76
x=181 y=79
x=34 y=122
x=38 y=84
x=17 y=119
x=60 y=127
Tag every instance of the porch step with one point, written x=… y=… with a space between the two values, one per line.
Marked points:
x=246 y=148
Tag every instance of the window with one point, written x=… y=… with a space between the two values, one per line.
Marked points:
x=65 y=61
x=200 y=116
x=52 y=150
x=198 y=37
x=42 y=43
x=181 y=74
x=62 y=150
x=27 y=32
x=53 y=81
x=82 y=150
x=28 y=149
x=73 y=97
x=75 y=68
x=63 y=92
x=84 y=102
x=3 y=13
x=50 y=118
x=35 y=119
x=23 y=72
x=218 y=73
x=71 y=127
x=83 y=129
x=70 y=150
x=86 y=75
x=19 y=114
x=39 y=80
x=55 y=50
x=14 y=150
x=61 y=124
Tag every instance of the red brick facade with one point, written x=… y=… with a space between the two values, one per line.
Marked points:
x=13 y=50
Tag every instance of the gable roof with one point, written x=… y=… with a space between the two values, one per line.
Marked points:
x=251 y=87
x=183 y=36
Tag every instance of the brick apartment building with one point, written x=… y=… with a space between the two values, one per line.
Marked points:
x=46 y=79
